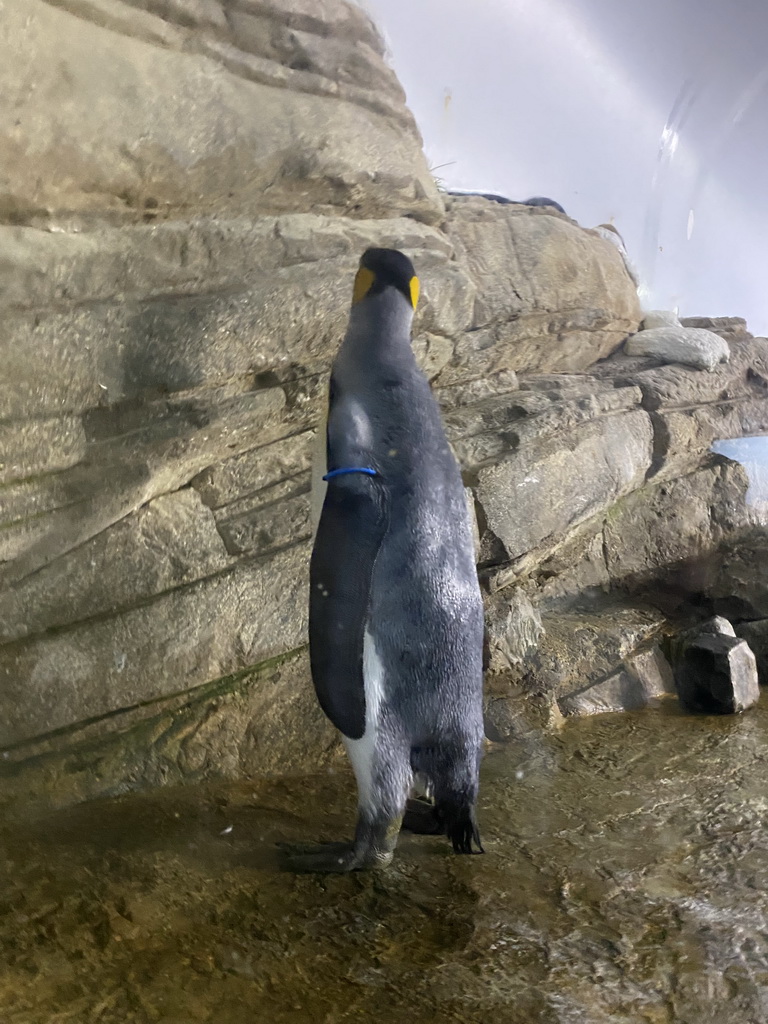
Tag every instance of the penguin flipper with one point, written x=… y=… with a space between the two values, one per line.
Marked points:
x=352 y=526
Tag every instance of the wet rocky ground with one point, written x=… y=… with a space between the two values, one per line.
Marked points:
x=625 y=881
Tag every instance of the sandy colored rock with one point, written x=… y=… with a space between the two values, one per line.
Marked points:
x=285 y=315
x=756 y=635
x=663 y=526
x=684 y=437
x=170 y=542
x=539 y=275
x=179 y=640
x=36 y=446
x=128 y=469
x=575 y=567
x=547 y=487
x=734 y=577
x=513 y=630
x=691 y=346
x=264 y=528
x=580 y=649
x=725 y=325
x=263 y=721
x=236 y=137
x=644 y=678
x=184 y=256
x=224 y=482
x=489 y=429
x=677 y=386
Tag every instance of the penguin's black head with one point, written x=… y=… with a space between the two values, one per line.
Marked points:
x=386 y=268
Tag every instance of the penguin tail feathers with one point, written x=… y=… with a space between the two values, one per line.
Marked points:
x=457 y=817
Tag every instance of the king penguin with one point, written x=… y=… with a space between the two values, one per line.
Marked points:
x=395 y=611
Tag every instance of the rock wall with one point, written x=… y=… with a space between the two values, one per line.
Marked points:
x=631 y=526
x=185 y=190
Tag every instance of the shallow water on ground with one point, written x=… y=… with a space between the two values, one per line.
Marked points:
x=625 y=880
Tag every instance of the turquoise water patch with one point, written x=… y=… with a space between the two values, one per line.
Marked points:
x=752 y=453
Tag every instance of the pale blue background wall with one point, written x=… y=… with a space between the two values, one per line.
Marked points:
x=653 y=114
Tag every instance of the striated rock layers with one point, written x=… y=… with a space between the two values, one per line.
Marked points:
x=185 y=189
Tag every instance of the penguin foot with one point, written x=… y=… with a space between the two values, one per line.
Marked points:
x=336 y=858
x=325 y=858
x=461 y=828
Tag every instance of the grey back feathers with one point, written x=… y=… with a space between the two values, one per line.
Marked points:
x=378 y=535
x=396 y=616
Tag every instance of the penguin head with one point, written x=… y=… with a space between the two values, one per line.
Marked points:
x=382 y=269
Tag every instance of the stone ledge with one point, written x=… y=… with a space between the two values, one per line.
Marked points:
x=244 y=724
x=179 y=640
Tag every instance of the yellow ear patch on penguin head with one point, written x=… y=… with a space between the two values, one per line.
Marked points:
x=384 y=269
x=363 y=282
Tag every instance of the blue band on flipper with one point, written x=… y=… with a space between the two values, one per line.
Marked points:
x=350 y=469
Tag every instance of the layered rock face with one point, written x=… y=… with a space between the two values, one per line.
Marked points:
x=186 y=187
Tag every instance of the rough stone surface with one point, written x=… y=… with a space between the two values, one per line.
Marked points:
x=244 y=132
x=179 y=640
x=651 y=668
x=723 y=325
x=513 y=629
x=612 y=235
x=667 y=524
x=552 y=484
x=170 y=542
x=717 y=625
x=644 y=678
x=124 y=468
x=533 y=269
x=680 y=387
x=580 y=649
x=733 y=578
x=285 y=320
x=756 y=635
x=622 y=691
x=240 y=726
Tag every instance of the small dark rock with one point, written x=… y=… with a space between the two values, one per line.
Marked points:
x=717 y=674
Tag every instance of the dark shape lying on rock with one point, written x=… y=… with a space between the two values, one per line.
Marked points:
x=543 y=201
x=716 y=673
x=496 y=198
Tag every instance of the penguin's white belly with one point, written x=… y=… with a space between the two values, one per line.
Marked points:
x=362 y=752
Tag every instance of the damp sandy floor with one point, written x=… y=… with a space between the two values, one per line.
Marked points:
x=625 y=880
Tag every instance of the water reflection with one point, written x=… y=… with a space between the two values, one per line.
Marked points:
x=752 y=453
